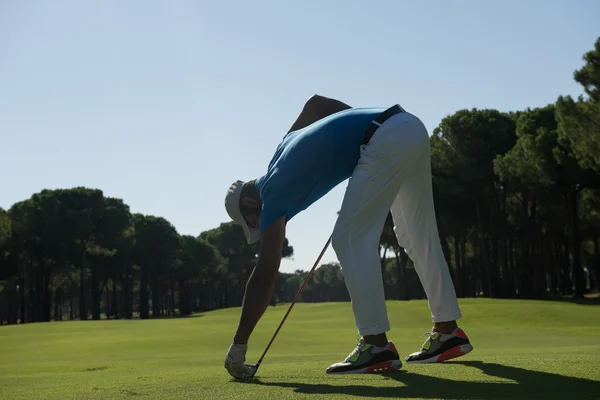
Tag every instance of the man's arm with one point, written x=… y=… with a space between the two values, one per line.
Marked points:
x=316 y=108
x=262 y=280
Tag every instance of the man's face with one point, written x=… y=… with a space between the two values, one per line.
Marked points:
x=251 y=220
x=250 y=211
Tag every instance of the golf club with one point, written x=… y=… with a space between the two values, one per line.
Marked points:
x=290 y=308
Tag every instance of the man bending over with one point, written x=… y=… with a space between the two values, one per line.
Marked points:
x=385 y=154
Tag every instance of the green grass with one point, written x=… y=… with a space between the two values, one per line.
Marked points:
x=523 y=350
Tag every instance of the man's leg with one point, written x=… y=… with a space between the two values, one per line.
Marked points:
x=369 y=196
x=416 y=230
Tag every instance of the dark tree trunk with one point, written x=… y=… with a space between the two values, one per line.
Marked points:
x=459 y=282
x=555 y=264
x=57 y=303
x=155 y=295
x=495 y=273
x=524 y=247
x=468 y=283
x=59 y=316
x=488 y=289
x=597 y=260
x=382 y=253
x=47 y=296
x=184 y=300
x=38 y=305
x=539 y=266
x=14 y=302
x=32 y=297
x=567 y=280
x=144 y=311
x=401 y=260
x=447 y=256
x=538 y=281
x=511 y=262
x=114 y=302
x=22 y=298
x=509 y=281
x=3 y=307
x=128 y=297
x=83 y=313
x=107 y=300
x=223 y=295
x=96 y=293
x=546 y=251
x=527 y=275
x=572 y=204
x=172 y=296
x=504 y=234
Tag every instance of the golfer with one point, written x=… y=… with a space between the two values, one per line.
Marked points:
x=385 y=154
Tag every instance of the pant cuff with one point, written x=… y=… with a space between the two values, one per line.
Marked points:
x=374 y=330
x=447 y=316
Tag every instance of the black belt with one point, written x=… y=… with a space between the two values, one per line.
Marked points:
x=379 y=120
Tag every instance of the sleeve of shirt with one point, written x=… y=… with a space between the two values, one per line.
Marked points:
x=268 y=215
x=273 y=207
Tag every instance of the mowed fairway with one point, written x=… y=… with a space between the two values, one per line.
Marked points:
x=523 y=350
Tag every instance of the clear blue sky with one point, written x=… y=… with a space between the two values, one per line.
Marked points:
x=165 y=103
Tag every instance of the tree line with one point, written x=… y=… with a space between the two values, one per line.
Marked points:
x=517 y=198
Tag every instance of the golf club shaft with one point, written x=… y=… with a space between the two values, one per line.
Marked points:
x=294 y=302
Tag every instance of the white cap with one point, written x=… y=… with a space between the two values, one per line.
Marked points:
x=232 y=205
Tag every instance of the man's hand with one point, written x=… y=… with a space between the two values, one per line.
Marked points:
x=235 y=362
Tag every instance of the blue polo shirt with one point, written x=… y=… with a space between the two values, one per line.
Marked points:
x=309 y=162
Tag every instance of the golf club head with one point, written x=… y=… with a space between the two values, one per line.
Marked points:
x=253 y=368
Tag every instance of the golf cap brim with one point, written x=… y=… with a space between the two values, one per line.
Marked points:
x=232 y=206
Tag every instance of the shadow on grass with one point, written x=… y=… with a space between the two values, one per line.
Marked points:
x=525 y=384
x=136 y=318
x=591 y=299
x=177 y=316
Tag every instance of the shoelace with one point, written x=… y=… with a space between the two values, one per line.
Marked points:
x=358 y=348
x=429 y=335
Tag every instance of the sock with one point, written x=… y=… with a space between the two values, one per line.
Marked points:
x=375 y=346
x=433 y=330
x=446 y=336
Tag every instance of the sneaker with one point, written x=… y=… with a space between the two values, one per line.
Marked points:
x=368 y=359
x=441 y=347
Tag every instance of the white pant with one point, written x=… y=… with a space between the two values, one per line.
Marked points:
x=393 y=174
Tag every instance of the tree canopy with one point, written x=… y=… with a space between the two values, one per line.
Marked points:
x=517 y=197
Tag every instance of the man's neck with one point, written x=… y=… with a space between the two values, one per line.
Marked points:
x=316 y=108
